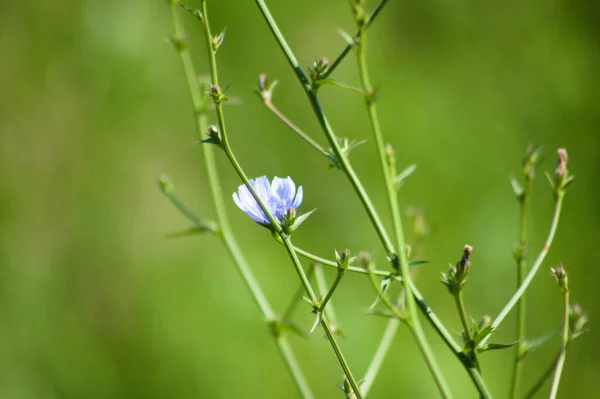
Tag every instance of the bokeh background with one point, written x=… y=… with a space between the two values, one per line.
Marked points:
x=96 y=302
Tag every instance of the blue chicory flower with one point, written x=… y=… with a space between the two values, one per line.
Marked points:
x=278 y=197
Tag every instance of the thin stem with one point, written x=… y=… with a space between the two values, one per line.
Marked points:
x=382 y=350
x=295 y=128
x=534 y=268
x=227 y=236
x=353 y=269
x=560 y=362
x=388 y=167
x=348 y=47
x=521 y=265
x=297 y=295
x=338 y=278
x=460 y=305
x=322 y=286
x=531 y=393
x=333 y=141
x=293 y=366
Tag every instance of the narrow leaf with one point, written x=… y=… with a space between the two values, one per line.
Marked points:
x=300 y=219
x=381 y=313
x=347 y=37
x=316 y=322
x=405 y=173
x=291 y=327
x=205 y=228
x=530 y=346
x=413 y=263
x=339 y=84
x=550 y=180
x=490 y=347
x=384 y=285
x=516 y=186
x=482 y=334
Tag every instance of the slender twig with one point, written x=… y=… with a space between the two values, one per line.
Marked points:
x=297 y=295
x=559 y=196
x=199 y=106
x=348 y=47
x=460 y=305
x=524 y=199
x=560 y=362
x=387 y=163
x=291 y=125
x=542 y=380
x=382 y=350
x=323 y=291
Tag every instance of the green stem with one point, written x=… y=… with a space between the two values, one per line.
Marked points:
x=460 y=305
x=338 y=278
x=333 y=141
x=293 y=366
x=388 y=167
x=531 y=393
x=560 y=362
x=295 y=128
x=521 y=308
x=323 y=291
x=559 y=196
x=227 y=236
x=384 y=346
x=348 y=47
x=297 y=296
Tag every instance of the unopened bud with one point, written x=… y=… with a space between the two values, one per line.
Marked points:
x=464 y=262
x=560 y=274
x=165 y=185
x=343 y=260
x=365 y=259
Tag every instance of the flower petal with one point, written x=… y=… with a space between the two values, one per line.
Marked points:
x=248 y=204
x=283 y=189
x=298 y=199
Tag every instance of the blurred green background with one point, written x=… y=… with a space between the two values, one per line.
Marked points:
x=95 y=302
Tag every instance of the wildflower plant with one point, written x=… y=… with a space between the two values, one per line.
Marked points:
x=274 y=204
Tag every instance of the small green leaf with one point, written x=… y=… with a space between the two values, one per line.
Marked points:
x=291 y=327
x=381 y=313
x=404 y=174
x=384 y=286
x=568 y=182
x=218 y=40
x=316 y=322
x=481 y=335
x=347 y=37
x=165 y=185
x=531 y=345
x=516 y=186
x=336 y=83
x=195 y=13
x=414 y=263
x=300 y=219
x=490 y=347
x=204 y=228
x=550 y=180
